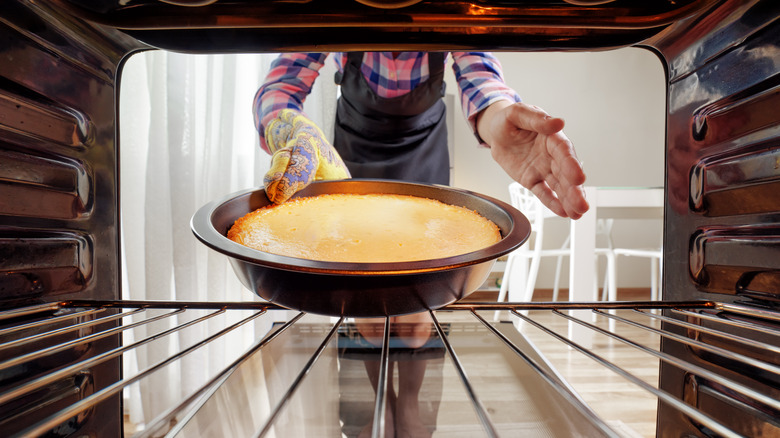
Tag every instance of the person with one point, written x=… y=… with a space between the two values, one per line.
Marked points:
x=390 y=124
x=414 y=393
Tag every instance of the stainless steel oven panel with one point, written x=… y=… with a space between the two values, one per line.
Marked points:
x=723 y=204
x=58 y=195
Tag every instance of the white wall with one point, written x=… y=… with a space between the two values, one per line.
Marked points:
x=614 y=106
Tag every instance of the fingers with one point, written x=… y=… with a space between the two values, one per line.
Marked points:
x=571 y=203
x=329 y=165
x=557 y=180
x=548 y=197
x=278 y=186
x=307 y=157
x=576 y=204
x=292 y=169
x=569 y=175
x=567 y=186
x=564 y=158
x=535 y=119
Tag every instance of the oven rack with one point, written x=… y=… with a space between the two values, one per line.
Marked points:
x=669 y=320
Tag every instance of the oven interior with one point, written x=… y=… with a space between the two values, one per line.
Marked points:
x=64 y=328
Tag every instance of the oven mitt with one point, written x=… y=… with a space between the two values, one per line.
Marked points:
x=301 y=155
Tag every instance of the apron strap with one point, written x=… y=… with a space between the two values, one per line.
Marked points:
x=402 y=138
x=421 y=98
x=435 y=64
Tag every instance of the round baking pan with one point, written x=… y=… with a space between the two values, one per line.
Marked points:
x=360 y=289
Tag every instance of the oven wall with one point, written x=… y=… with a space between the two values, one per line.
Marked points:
x=58 y=178
x=58 y=192
x=722 y=221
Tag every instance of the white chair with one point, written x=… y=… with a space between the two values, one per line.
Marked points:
x=525 y=201
x=604 y=229
x=656 y=265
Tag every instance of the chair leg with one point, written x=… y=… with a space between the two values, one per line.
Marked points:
x=612 y=274
x=558 y=265
x=654 y=279
x=502 y=291
x=660 y=288
x=557 y=279
x=518 y=279
x=596 y=279
x=536 y=258
x=533 y=272
x=505 y=278
x=605 y=286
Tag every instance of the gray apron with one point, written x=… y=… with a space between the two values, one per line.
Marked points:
x=401 y=138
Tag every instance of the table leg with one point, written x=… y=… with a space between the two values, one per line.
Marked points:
x=581 y=266
x=583 y=252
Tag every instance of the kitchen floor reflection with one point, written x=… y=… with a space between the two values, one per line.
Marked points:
x=317 y=376
x=415 y=363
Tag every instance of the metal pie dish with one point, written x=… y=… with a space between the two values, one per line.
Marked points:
x=360 y=289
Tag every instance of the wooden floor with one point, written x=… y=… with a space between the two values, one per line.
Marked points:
x=623 y=294
x=625 y=406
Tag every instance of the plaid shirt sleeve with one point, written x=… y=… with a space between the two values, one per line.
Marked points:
x=481 y=83
x=287 y=85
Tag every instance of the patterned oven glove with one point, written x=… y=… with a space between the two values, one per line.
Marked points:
x=301 y=155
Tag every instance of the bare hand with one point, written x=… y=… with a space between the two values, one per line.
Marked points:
x=531 y=147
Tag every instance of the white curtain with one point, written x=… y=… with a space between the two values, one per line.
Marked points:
x=187 y=137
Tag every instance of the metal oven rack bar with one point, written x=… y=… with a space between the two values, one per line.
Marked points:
x=756 y=319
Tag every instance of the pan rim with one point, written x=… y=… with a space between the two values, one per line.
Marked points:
x=202 y=225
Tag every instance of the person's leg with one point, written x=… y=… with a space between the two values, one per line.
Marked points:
x=373 y=330
x=403 y=408
x=372 y=369
x=408 y=421
x=412 y=330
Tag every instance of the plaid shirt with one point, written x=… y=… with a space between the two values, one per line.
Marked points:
x=292 y=76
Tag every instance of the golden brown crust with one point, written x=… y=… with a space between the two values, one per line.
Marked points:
x=365 y=228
